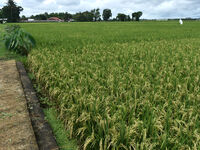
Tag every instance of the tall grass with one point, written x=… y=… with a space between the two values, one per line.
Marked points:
x=122 y=85
x=2 y=47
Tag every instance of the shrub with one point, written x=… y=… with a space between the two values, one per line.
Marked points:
x=17 y=40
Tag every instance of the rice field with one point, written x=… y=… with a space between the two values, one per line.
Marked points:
x=131 y=86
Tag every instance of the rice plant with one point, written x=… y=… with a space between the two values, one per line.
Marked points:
x=135 y=88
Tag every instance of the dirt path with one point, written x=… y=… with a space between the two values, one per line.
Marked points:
x=16 y=132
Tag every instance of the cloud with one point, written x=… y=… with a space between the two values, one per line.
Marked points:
x=2 y=3
x=68 y=2
x=151 y=8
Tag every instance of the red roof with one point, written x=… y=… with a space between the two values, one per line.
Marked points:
x=54 y=18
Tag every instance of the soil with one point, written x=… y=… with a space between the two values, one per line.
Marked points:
x=16 y=131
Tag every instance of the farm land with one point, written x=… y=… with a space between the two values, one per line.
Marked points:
x=121 y=85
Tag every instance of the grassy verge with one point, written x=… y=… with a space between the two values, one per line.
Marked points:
x=59 y=131
x=7 y=55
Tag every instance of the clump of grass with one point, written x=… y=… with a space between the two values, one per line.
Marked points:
x=58 y=129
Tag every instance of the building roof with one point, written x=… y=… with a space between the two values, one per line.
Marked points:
x=54 y=18
x=3 y=19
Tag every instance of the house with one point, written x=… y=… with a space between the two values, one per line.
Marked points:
x=71 y=20
x=3 y=20
x=31 y=20
x=56 y=19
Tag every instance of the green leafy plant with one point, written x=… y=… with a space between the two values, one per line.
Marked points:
x=17 y=40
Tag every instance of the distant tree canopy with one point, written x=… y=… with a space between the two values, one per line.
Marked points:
x=23 y=17
x=1 y=13
x=64 y=16
x=107 y=14
x=96 y=14
x=128 y=18
x=87 y=16
x=93 y=15
x=136 y=16
x=11 y=11
x=123 y=17
x=39 y=17
x=67 y=16
x=84 y=16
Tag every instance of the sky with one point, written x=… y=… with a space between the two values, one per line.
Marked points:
x=152 y=9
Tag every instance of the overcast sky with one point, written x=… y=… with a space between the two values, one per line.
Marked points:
x=151 y=8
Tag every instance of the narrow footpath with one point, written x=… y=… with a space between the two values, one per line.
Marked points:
x=16 y=131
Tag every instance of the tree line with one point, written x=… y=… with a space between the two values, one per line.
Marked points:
x=12 y=12
x=87 y=16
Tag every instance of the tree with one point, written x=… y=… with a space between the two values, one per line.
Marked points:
x=1 y=13
x=64 y=16
x=61 y=15
x=78 y=17
x=136 y=15
x=128 y=18
x=139 y=14
x=88 y=15
x=11 y=11
x=121 y=17
x=67 y=16
x=107 y=14
x=40 y=17
x=23 y=18
x=83 y=16
x=32 y=17
x=46 y=15
x=96 y=14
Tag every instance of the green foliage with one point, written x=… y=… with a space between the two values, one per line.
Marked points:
x=96 y=14
x=136 y=16
x=122 y=85
x=93 y=15
x=17 y=40
x=84 y=16
x=64 y=16
x=122 y=17
x=107 y=14
x=11 y=11
x=67 y=16
x=1 y=13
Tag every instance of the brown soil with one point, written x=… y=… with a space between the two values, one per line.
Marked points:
x=16 y=132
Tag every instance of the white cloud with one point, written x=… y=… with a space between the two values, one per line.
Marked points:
x=150 y=8
x=68 y=2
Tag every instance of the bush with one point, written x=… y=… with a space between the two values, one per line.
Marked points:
x=17 y=40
